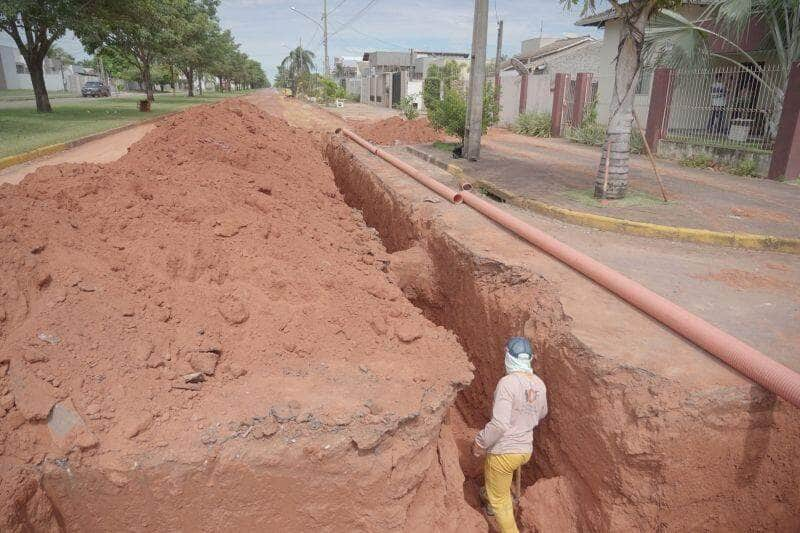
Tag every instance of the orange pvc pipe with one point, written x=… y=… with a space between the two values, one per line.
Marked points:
x=424 y=179
x=750 y=362
x=764 y=370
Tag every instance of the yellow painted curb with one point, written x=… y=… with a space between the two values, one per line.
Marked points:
x=12 y=160
x=748 y=241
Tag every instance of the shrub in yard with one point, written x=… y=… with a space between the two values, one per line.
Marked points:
x=698 y=161
x=594 y=134
x=590 y=133
x=533 y=124
x=408 y=108
x=746 y=167
x=450 y=113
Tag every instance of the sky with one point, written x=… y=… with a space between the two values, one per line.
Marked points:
x=266 y=29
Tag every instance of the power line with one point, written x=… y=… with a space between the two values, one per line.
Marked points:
x=354 y=17
x=337 y=7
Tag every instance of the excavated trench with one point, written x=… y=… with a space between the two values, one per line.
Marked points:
x=622 y=448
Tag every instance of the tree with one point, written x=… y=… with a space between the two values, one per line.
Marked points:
x=143 y=30
x=56 y=53
x=674 y=40
x=34 y=25
x=634 y=16
x=297 y=65
x=450 y=113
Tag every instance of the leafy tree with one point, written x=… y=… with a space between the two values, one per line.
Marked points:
x=634 y=16
x=57 y=53
x=298 y=65
x=143 y=30
x=35 y=25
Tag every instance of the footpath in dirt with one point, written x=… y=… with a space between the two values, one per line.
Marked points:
x=202 y=335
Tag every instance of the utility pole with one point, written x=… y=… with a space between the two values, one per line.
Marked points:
x=325 y=36
x=497 y=58
x=477 y=80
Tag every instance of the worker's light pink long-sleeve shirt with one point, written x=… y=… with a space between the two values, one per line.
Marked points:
x=520 y=402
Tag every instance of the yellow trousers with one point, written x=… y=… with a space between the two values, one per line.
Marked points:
x=498 y=472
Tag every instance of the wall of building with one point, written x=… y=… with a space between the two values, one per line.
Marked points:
x=15 y=77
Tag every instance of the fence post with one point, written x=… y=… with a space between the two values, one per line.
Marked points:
x=658 y=112
x=558 y=103
x=582 y=83
x=786 y=152
x=523 y=93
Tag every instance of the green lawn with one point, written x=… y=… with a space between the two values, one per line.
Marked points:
x=23 y=129
x=27 y=94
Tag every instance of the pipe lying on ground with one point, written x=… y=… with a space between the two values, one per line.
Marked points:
x=750 y=362
x=429 y=182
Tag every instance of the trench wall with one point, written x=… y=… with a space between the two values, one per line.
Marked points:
x=638 y=451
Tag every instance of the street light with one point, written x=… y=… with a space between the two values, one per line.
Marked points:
x=323 y=27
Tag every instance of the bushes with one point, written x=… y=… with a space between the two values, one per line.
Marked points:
x=408 y=108
x=533 y=124
x=594 y=134
x=450 y=113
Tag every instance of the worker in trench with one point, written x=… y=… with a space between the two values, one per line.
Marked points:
x=520 y=402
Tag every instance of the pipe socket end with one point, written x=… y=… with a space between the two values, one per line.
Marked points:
x=457 y=198
x=466 y=186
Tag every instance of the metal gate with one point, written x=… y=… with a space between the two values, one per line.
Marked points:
x=395 y=89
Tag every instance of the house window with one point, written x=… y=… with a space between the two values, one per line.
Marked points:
x=645 y=79
x=21 y=69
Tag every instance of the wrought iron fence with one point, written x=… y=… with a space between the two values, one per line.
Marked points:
x=725 y=106
x=568 y=122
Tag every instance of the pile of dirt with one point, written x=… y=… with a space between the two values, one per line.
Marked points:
x=399 y=130
x=204 y=326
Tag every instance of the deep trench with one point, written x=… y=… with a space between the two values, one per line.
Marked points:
x=481 y=301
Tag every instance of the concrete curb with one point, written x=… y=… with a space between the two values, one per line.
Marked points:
x=36 y=153
x=747 y=241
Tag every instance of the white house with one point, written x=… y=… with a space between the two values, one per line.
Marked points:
x=544 y=57
x=14 y=72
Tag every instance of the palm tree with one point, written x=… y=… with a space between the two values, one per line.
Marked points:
x=297 y=65
x=675 y=40
x=634 y=16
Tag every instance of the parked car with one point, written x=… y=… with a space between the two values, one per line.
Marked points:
x=95 y=88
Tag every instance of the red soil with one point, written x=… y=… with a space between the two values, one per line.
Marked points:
x=218 y=246
x=398 y=130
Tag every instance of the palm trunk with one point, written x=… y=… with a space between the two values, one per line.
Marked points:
x=36 y=69
x=618 y=134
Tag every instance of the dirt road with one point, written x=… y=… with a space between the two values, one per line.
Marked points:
x=102 y=150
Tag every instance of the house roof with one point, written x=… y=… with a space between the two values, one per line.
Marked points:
x=599 y=19
x=549 y=50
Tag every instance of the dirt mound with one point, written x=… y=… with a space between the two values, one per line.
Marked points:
x=399 y=130
x=206 y=313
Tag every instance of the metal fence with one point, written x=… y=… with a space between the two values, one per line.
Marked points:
x=725 y=106
x=567 y=120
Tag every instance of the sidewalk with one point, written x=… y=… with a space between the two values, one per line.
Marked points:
x=561 y=173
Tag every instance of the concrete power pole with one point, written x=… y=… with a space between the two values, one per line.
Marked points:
x=325 y=36
x=477 y=79
x=497 y=59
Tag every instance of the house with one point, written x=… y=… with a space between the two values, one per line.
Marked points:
x=740 y=125
x=14 y=72
x=542 y=58
x=391 y=76
x=348 y=71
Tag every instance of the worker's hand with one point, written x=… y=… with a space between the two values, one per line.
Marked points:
x=477 y=451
